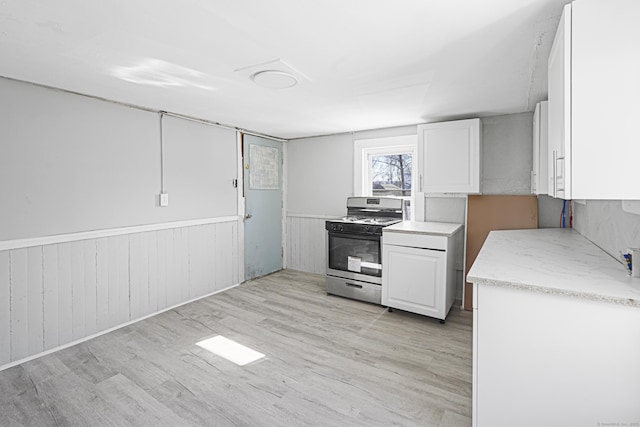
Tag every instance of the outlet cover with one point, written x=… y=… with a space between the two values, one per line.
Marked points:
x=164 y=199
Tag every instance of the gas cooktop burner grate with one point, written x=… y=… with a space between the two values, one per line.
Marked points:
x=369 y=220
x=352 y=218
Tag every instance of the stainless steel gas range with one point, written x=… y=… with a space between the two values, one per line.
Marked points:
x=354 y=259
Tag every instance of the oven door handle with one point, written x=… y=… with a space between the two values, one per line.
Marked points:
x=359 y=236
x=353 y=285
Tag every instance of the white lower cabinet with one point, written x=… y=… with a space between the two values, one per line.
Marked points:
x=541 y=359
x=418 y=273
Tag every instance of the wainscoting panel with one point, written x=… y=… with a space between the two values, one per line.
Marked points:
x=19 y=304
x=56 y=294
x=90 y=281
x=306 y=244
x=50 y=295
x=5 y=308
x=227 y=269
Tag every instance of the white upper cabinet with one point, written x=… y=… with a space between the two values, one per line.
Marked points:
x=594 y=88
x=540 y=174
x=449 y=155
x=559 y=133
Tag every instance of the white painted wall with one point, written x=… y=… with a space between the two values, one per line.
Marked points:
x=386 y=132
x=306 y=244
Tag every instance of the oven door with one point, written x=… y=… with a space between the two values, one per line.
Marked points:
x=354 y=256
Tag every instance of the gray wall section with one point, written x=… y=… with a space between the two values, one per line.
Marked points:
x=549 y=211
x=199 y=167
x=607 y=225
x=507 y=160
x=319 y=175
x=445 y=209
x=507 y=157
x=507 y=154
x=70 y=163
x=320 y=170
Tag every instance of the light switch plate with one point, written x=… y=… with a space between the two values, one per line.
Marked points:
x=164 y=199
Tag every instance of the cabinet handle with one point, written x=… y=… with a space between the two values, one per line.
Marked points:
x=559 y=176
x=421 y=183
x=533 y=182
x=555 y=189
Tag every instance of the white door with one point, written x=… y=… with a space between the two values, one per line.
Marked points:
x=263 y=206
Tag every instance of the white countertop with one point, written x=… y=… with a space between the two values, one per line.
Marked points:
x=419 y=227
x=553 y=261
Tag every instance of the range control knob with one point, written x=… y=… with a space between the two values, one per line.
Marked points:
x=340 y=227
x=367 y=229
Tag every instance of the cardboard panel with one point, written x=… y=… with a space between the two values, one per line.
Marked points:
x=487 y=213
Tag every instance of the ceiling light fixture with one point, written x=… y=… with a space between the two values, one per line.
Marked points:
x=274 y=79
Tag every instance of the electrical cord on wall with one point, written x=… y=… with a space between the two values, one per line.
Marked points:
x=570 y=213
x=161 y=115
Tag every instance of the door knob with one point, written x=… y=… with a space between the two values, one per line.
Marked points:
x=247 y=216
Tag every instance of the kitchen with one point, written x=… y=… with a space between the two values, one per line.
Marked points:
x=319 y=173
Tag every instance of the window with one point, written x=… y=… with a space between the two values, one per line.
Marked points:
x=391 y=174
x=385 y=167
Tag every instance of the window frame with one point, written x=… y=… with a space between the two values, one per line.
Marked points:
x=365 y=149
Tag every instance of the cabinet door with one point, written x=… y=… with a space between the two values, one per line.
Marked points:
x=450 y=157
x=540 y=175
x=414 y=280
x=556 y=353
x=560 y=109
x=605 y=89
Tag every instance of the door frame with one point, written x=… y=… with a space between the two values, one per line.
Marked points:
x=285 y=245
x=241 y=207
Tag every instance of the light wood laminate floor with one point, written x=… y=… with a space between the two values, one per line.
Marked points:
x=329 y=361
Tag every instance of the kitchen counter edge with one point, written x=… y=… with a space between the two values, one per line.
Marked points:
x=427 y=227
x=554 y=262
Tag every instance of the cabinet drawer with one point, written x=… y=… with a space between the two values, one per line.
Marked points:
x=414 y=240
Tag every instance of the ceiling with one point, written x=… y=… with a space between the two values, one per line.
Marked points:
x=360 y=64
